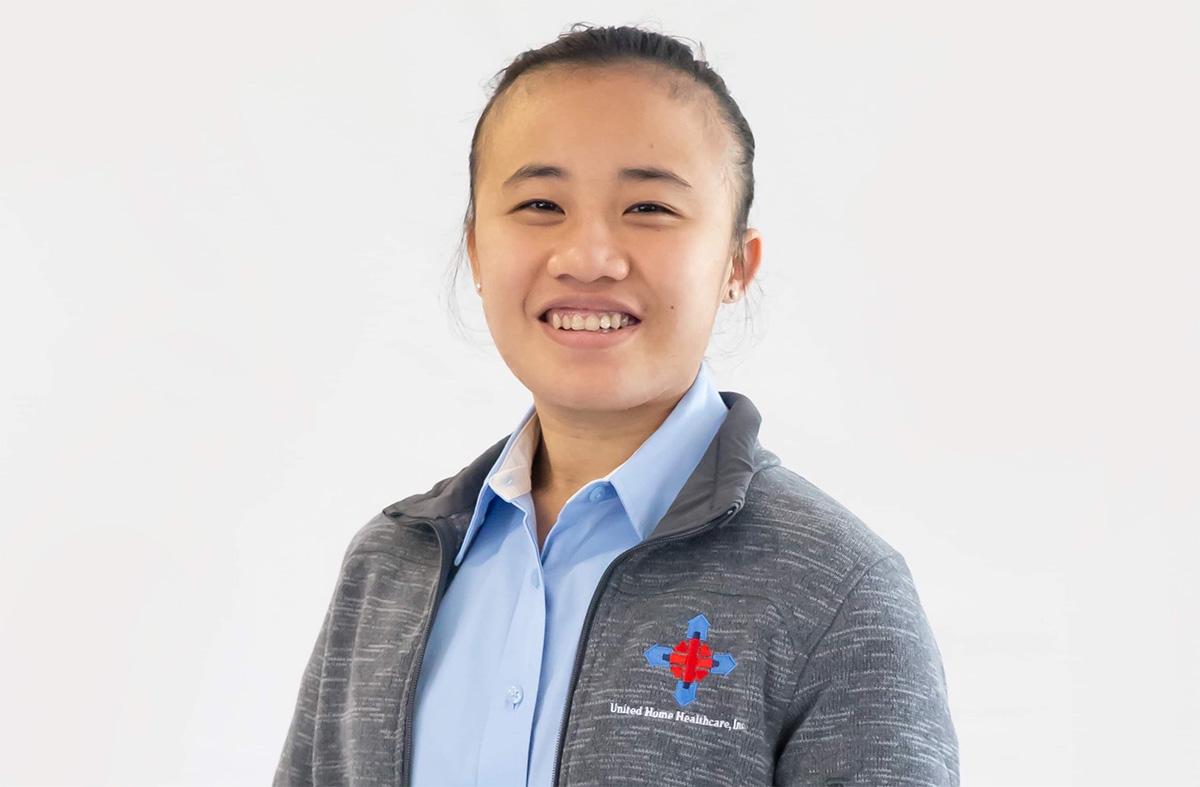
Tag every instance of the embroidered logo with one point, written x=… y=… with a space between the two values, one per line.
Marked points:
x=691 y=661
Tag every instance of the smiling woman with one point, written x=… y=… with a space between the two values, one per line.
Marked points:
x=611 y=180
x=627 y=587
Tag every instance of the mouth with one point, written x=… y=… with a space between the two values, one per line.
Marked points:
x=583 y=321
x=620 y=329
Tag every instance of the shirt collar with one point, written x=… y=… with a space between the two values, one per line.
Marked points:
x=646 y=483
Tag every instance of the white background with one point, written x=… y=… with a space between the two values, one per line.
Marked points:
x=224 y=231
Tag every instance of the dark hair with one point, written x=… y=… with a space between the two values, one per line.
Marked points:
x=586 y=45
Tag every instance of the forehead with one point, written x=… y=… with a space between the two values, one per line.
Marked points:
x=595 y=120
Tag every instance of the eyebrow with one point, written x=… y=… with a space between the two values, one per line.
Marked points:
x=637 y=174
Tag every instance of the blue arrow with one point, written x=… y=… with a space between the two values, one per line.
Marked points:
x=658 y=655
x=723 y=664
x=685 y=695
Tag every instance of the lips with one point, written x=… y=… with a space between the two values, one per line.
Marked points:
x=600 y=341
x=592 y=304
x=545 y=316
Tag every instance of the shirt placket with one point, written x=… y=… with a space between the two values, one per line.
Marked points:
x=507 y=734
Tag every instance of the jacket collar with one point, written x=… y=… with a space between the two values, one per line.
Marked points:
x=718 y=483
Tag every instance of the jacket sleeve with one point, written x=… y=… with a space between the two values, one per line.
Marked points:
x=295 y=767
x=871 y=703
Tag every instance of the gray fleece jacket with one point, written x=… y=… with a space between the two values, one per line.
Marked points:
x=813 y=663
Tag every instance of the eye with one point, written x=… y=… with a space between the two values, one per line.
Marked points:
x=524 y=205
x=657 y=208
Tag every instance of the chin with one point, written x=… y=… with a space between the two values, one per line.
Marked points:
x=596 y=389
x=596 y=401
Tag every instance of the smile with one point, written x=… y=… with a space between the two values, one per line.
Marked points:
x=582 y=338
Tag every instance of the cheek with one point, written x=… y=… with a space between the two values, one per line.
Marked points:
x=505 y=305
x=683 y=290
x=688 y=311
x=502 y=249
x=509 y=274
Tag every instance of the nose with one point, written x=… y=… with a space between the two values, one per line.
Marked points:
x=588 y=251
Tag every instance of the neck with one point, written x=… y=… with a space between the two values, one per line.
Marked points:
x=580 y=446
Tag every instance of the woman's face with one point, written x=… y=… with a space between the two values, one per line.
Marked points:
x=655 y=245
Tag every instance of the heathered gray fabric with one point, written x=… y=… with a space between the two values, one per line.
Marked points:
x=838 y=678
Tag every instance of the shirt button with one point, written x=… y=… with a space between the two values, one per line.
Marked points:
x=598 y=494
x=535 y=579
x=515 y=695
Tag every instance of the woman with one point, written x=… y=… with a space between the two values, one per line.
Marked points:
x=628 y=587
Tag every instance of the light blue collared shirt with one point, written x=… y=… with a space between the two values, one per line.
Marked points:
x=493 y=682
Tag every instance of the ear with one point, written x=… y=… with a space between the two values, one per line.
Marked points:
x=471 y=254
x=751 y=258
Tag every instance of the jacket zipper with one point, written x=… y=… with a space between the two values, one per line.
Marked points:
x=411 y=689
x=587 y=620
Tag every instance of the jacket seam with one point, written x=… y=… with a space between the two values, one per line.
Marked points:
x=786 y=612
x=358 y=552
x=398 y=761
x=829 y=626
x=732 y=594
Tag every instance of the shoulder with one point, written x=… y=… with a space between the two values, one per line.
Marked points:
x=811 y=525
x=382 y=535
x=799 y=546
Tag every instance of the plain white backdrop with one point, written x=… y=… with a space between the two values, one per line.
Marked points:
x=224 y=232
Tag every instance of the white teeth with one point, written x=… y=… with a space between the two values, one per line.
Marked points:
x=590 y=321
